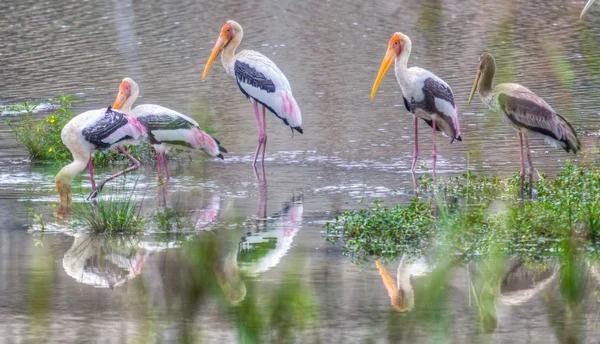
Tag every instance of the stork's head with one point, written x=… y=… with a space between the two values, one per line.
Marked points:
x=128 y=92
x=231 y=31
x=485 y=74
x=398 y=46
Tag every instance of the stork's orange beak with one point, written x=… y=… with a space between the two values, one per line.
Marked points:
x=389 y=57
x=219 y=46
x=121 y=98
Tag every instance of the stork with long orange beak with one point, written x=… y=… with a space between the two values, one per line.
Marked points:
x=166 y=128
x=259 y=79
x=425 y=95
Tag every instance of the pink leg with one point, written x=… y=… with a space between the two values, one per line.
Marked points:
x=91 y=168
x=159 y=164
x=434 y=153
x=265 y=135
x=416 y=153
x=137 y=165
x=522 y=174
x=164 y=159
x=530 y=169
x=260 y=133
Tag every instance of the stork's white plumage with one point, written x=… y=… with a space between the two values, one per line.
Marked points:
x=425 y=95
x=259 y=79
x=92 y=131
x=165 y=127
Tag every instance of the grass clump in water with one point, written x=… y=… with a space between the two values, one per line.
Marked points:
x=41 y=135
x=117 y=212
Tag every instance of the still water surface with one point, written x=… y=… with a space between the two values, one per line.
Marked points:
x=255 y=245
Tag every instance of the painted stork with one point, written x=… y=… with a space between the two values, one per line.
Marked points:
x=425 y=95
x=586 y=8
x=92 y=131
x=259 y=79
x=525 y=112
x=165 y=126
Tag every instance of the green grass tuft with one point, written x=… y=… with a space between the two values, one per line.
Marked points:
x=116 y=211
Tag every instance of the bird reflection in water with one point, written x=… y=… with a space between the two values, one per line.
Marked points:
x=104 y=262
x=261 y=212
x=263 y=249
x=401 y=292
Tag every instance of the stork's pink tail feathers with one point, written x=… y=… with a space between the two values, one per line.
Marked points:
x=202 y=140
x=290 y=111
x=135 y=128
x=457 y=124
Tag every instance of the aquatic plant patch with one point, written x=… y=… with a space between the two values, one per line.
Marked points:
x=468 y=216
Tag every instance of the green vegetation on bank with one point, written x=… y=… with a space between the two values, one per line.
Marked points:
x=469 y=217
x=40 y=134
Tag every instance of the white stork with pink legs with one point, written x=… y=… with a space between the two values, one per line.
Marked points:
x=91 y=131
x=165 y=127
x=259 y=79
x=425 y=95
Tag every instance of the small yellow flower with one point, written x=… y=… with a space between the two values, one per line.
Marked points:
x=53 y=204
x=38 y=130
x=50 y=150
x=52 y=120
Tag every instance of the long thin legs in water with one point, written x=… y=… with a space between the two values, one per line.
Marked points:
x=434 y=153
x=91 y=168
x=522 y=173
x=136 y=165
x=264 y=123
x=530 y=169
x=416 y=152
x=261 y=135
x=159 y=164
x=166 y=164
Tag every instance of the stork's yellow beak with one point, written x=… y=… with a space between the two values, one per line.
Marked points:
x=219 y=46
x=389 y=57
x=474 y=86
x=585 y=9
x=121 y=98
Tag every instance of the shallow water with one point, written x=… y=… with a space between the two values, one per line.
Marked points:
x=67 y=286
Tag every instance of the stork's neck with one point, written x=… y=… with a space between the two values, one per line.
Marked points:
x=228 y=55
x=486 y=81
x=126 y=108
x=401 y=66
x=69 y=172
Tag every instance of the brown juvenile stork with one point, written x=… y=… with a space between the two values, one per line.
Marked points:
x=525 y=112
